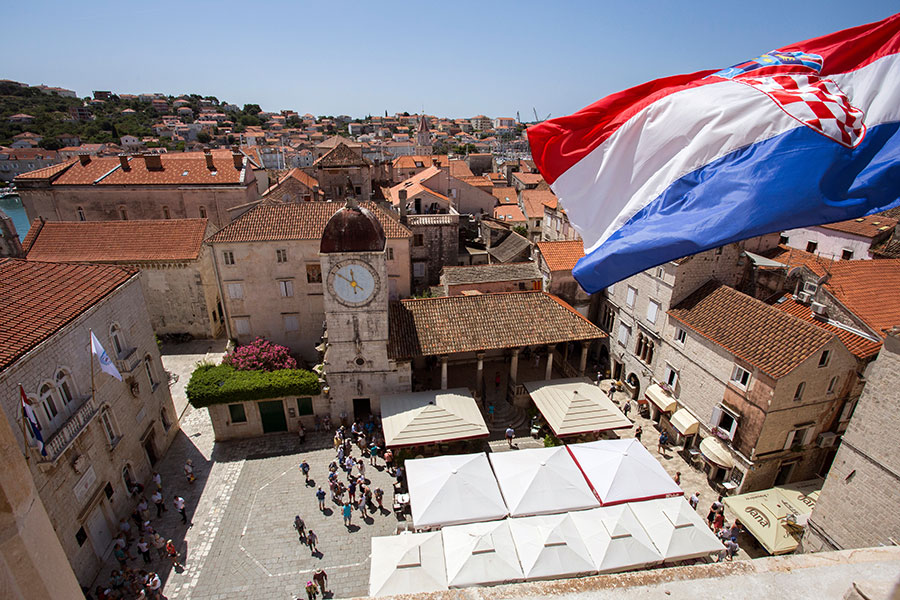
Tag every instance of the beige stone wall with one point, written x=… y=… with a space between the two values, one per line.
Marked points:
x=858 y=507
x=489 y=287
x=72 y=487
x=225 y=429
x=257 y=270
x=439 y=248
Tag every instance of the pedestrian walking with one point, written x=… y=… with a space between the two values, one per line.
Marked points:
x=490 y=411
x=152 y=586
x=663 y=440
x=361 y=505
x=300 y=526
x=731 y=548
x=189 y=471
x=713 y=509
x=612 y=390
x=627 y=408
x=311 y=540
x=320 y=496
x=348 y=513
x=362 y=468
x=160 y=544
x=144 y=508
x=157 y=480
x=120 y=556
x=389 y=461
x=312 y=590
x=179 y=506
x=368 y=497
x=373 y=454
x=304 y=468
x=379 y=497
x=694 y=500
x=510 y=434
x=321 y=579
x=638 y=432
x=351 y=489
x=399 y=475
x=125 y=528
x=172 y=553
x=677 y=478
x=159 y=501
x=144 y=548
x=719 y=520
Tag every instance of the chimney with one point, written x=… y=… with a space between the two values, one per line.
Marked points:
x=209 y=163
x=84 y=158
x=238 y=159
x=153 y=162
x=401 y=197
x=435 y=162
x=123 y=160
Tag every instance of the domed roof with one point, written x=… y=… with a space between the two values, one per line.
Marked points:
x=352 y=229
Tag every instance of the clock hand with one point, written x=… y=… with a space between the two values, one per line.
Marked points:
x=344 y=278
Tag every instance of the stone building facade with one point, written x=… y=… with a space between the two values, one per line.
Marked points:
x=434 y=244
x=97 y=444
x=485 y=279
x=216 y=185
x=857 y=506
x=342 y=173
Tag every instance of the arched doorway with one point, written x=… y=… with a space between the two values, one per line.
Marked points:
x=603 y=360
x=635 y=384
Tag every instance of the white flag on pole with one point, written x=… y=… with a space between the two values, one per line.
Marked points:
x=106 y=365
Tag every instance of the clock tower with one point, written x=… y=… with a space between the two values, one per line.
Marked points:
x=354 y=270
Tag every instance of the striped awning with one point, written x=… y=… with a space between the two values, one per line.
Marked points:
x=684 y=422
x=662 y=400
x=713 y=450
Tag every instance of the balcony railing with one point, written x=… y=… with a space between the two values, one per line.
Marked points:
x=70 y=430
x=128 y=362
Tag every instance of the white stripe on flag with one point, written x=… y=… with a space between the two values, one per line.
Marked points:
x=106 y=365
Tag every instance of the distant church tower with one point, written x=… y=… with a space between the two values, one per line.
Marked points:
x=423 y=137
x=9 y=239
x=357 y=369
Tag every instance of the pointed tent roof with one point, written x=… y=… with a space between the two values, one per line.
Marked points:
x=431 y=417
x=616 y=539
x=453 y=489
x=410 y=563
x=341 y=156
x=481 y=554
x=573 y=406
x=676 y=529
x=623 y=471
x=551 y=546
x=541 y=481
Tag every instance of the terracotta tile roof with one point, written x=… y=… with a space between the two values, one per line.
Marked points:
x=116 y=241
x=488 y=273
x=47 y=172
x=409 y=162
x=29 y=153
x=534 y=202
x=871 y=227
x=335 y=140
x=479 y=182
x=297 y=175
x=37 y=299
x=509 y=213
x=796 y=258
x=270 y=221
x=860 y=346
x=770 y=339
x=459 y=168
x=178 y=168
x=341 y=156
x=513 y=247
x=562 y=255
x=506 y=195
x=528 y=178
x=434 y=326
x=869 y=288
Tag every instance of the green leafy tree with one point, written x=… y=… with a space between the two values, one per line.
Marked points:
x=203 y=137
x=520 y=229
x=252 y=109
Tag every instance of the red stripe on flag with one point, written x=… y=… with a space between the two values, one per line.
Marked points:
x=25 y=399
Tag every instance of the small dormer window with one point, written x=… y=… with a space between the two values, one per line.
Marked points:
x=184 y=174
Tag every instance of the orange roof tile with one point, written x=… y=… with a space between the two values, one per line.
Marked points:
x=534 y=202
x=796 y=258
x=562 y=255
x=38 y=298
x=409 y=162
x=433 y=326
x=528 y=178
x=47 y=172
x=459 y=168
x=116 y=241
x=509 y=213
x=869 y=288
x=270 y=221
x=506 y=195
x=860 y=346
x=871 y=226
x=297 y=175
x=772 y=340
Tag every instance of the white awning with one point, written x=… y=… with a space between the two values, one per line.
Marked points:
x=480 y=554
x=662 y=400
x=684 y=422
x=676 y=529
x=573 y=406
x=550 y=547
x=409 y=563
x=713 y=450
x=431 y=417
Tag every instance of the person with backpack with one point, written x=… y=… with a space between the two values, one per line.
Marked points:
x=304 y=468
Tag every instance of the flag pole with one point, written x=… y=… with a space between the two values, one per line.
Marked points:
x=23 y=417
x=91 y=358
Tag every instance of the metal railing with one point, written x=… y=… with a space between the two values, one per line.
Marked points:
x=70 y=430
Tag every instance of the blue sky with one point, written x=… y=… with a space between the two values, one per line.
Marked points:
x=453 y=59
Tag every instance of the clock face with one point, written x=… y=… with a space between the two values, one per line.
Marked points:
x=353 y=283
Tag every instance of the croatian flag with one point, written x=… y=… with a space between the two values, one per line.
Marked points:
x=803 y=135
x=106 y=365
x=31 y=422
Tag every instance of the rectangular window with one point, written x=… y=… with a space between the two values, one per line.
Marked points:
x=237 y=413
x=800 y=437
x=740 y=377
x=418 y=239
x=108 y=428
x=823 y=360
x=235 y=291
x=242 y=325
x=783 y=239
x=680 y=335
x=418 y=269
x=798 y=393
x=671 y=376
x=286 y=287
x=624 y=334
x=846 y=254
x=390 y=254
x=724 y=421
x=291 y=323
x=630 y=296
x=660 y=272
x=281 y=256
x=304 y=406
x=652 y=311
x=313 y=273
x=81 y=536
x=809 y=287
x=832 y=385
x=811 y=247
x=228 y=257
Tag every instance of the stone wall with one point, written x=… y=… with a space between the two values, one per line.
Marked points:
x=439 y=245
x=225 y=429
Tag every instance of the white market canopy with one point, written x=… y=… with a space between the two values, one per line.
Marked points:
x=550 y=546
x=661 y=399
x=616 y=539
x=430 y=417
x=409 y=563
x=623 y=471
x=676 y=529
x=572 y=406
x=453 y=489
x=541 y=481
x=481 y=554
x=713 y=450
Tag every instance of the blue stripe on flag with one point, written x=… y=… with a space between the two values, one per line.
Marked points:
x=792 y=180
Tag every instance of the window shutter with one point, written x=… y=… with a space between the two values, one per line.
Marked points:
x=807 y=435
x=652 y=309
x=716 y=417
x=790 y=439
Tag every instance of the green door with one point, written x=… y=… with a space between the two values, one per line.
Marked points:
x=271 y=413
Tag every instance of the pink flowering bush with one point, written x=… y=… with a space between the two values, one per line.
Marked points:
x=260 y=355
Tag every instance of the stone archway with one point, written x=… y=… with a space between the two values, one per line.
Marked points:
x=635 y=384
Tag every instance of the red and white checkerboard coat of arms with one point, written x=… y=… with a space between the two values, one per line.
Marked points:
x=816 y=102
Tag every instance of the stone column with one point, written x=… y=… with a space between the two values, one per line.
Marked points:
x=444 y=372
x=479 y=378
x=585 y=346
x=514 y=366
x=549 y=373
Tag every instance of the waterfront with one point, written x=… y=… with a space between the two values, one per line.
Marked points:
x=12 y=206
